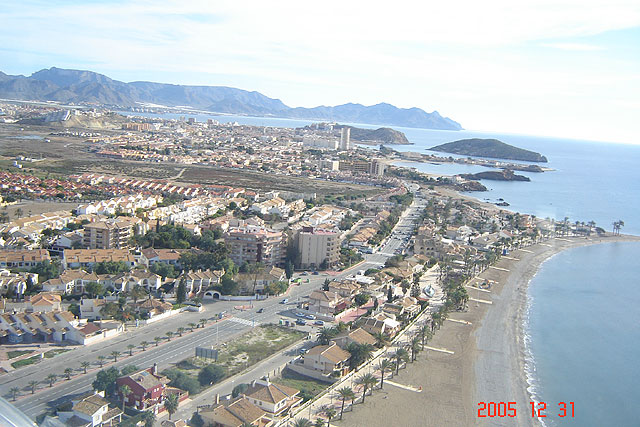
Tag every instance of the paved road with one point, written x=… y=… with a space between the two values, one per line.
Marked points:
x=179 y=348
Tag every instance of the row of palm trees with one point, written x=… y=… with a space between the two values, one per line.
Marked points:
x=367 y=381
x=68 y=372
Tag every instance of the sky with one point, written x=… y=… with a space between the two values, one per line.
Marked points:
x=565 y=68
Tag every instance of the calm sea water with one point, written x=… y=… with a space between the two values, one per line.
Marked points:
x=584 y=327
x=584 y=322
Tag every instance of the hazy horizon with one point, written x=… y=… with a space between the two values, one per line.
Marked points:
x=565 y=69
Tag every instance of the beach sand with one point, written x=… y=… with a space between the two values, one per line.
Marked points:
x=488 y=360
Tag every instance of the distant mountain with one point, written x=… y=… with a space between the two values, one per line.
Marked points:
x=77 y=86
x=489 y=148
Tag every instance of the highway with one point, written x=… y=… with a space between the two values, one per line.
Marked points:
x=179 y=348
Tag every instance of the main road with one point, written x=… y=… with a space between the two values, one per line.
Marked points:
x=178 y=348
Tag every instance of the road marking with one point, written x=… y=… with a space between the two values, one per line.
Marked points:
x=498 y=268
x=441 y=350
x=527 y=251
x=484 y=301
x=478 y=289
x=563 y=240
x=544 y=244
x=244 y=321
x=508 y=257
x=464 y=322
x=406 y=387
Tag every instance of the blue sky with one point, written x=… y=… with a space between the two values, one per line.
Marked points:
x=561 y=68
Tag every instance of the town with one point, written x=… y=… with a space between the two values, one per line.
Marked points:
x=144 y=294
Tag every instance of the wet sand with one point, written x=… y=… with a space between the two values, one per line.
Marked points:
x=488 y=360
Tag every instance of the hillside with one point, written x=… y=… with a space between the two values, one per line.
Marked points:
x=376 y=136
x=79 y=87
x=489 y=148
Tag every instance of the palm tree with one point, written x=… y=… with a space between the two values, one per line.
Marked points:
x=414 y=346
x=144 y=345
x=14 y=392
x=359 y=353
x=149 y=418
x=169 y=335
x=400 y=356
x=115 y=355
x=180 y=331
x=52 y=379
x=368 y=381
x=345 y=393
x=84 y=365
x=302 y=422
x=125 y=390
x=384 y=366
x=192 y=325
x=425 y=334
x=203 y=322
x=325 y=335
x=171 y=404
x=101 y=360
x=381 y=339
x=33 y=385
x=157 y=340
x=130 y=347
x=319 y=422
x=67 y=373
x=330 y=412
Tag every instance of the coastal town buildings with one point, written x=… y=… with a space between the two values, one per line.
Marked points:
x=256 y=244
x=318 y=248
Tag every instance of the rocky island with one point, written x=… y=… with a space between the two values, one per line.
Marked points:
x=376 y=136
x=489 y=148
x=503 y=175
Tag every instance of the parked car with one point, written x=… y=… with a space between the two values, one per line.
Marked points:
x=318 y=323
x=301 y=322
x=309 y=316
x=284 y=301
x=261 y=310
x=301 y=315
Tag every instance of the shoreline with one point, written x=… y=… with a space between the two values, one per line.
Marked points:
x=489 y=360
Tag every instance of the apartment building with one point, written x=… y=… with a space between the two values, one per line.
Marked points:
x=318 y=247
x=256 y=244
x=110 y=234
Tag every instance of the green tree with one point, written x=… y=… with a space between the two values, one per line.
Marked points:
x=288 y=269
x=401 y=355
x=329 y=411
x=138 y=292
x=130 y=347
x=171 y=404
x=239 y=389
x=211 y=374
x=203 y=322
x=106 y=381
x=94 y=289
x=51 y=378
x=111 y=267
x=144 y=345
x=359 y=353
x=367 y=381
x=196 y=420
x=14 y=393
x=47 y=270
x=181 y=291
x=115 y=355
x=125 y=390
x=345 y=393
x=149 y=418
x=302 y=422
x=101 y=360
x=74 y=309
x=169 y=335
x=67 y=373
x=326 y=335
x=381 y=339
x=33 y=385
x=384 y=366
x=415 y=348
x=361 y=299
x=192 y=325
x=157 y=340
x=180 y=331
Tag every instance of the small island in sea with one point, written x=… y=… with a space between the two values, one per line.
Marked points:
x=494 y=148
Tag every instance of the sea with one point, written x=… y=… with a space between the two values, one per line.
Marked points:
x=583 y=323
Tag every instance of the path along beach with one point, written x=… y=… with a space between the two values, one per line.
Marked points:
x=488 y=360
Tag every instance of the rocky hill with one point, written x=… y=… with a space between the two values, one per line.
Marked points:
x=78 y=86
x=489 y=148
x=376 y=136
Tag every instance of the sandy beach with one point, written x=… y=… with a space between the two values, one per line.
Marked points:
x=488 y=360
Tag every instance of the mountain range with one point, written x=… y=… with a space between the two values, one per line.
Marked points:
x=78 y=87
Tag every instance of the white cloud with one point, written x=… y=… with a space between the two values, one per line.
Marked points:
x=573 y=46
